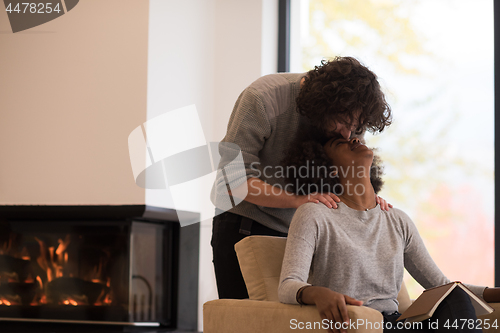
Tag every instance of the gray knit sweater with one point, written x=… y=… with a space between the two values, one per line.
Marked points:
x=263 y=123
x=361 y=254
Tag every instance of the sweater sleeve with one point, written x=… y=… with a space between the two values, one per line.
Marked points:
x=247 y=132
x=420 y=264
x=299 y=251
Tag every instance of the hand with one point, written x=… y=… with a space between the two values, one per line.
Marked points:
x=383 y=204
x=333 y=307
x=328 y=199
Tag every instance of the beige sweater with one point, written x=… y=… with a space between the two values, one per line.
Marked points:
x=263 y=123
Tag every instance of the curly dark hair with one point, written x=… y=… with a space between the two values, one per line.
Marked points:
x=338 y=88
x=307 y=153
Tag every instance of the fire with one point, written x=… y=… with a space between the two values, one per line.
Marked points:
x=39 y=280
x=4 y=302
x=70 y=302
x=57 y=260
x=29 y=279
x=108 y=300
x=74 y=300
x=9 y=300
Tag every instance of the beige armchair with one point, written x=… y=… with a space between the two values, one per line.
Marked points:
x=260 y=260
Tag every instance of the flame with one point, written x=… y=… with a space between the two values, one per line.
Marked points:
x=104 y=298
x=108 y=300
x=10 y=300
x=63 y=245
x=4 y=302
x=70 y=302
x=39 y=280
x=42 y=260
x=74 y=300
x=29 y=279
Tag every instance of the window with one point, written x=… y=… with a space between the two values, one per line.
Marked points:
x=434 y=59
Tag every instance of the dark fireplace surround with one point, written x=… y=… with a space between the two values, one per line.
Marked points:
x=130 y=265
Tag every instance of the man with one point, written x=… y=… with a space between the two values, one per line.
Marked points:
x=338 y=97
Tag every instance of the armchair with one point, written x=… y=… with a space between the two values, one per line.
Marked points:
x=260 y=259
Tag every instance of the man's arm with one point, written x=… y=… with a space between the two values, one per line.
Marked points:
x=262 y=194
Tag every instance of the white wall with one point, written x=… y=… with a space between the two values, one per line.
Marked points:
x=205 y=52
x=71 y=90
x=246 y=46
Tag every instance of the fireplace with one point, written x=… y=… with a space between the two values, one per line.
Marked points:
x=117 y=265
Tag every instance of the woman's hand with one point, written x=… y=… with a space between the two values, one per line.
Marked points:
x=328 y=199
x=383 y=204
x=331 y=306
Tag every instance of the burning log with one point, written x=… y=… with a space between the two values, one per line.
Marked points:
x=23 y=293
x=60 y=290
x=14 y=267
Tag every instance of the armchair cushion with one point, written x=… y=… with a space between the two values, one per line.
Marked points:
x=260 y=259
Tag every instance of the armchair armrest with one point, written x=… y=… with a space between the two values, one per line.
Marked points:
x=249 y=316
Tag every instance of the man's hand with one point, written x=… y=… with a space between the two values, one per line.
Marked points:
x=331 y=305
x=328 y=199
x=383 y=204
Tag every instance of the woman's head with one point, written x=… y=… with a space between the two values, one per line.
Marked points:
x=317 y=166
x=342 y=93
x=345 y=154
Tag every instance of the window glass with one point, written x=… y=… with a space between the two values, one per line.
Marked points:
x=434 y=59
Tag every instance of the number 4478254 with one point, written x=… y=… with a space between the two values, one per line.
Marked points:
x=34 y=8
x=471 y=324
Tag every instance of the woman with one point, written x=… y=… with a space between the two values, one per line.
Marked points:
x=357 y=253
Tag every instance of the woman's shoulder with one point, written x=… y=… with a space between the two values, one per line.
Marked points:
x=308 y=220
x=312 y=209
x=314 y=213
x=399 y=217
x=399 y=214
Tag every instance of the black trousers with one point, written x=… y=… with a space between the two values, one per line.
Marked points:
x=228 y=229
x=454 y=314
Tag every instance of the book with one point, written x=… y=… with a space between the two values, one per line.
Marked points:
x=425 y=305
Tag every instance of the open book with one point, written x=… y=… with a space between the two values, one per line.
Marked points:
x=425 y=305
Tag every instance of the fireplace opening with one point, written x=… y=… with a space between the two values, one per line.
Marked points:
x=112 y=270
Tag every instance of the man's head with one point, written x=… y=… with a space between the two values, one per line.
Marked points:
x=343 y=96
